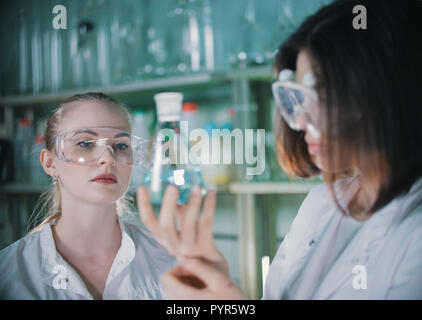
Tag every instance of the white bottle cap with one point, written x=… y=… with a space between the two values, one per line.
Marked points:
x=169 y=105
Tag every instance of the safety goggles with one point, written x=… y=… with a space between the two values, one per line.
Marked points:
x=298 y=102
x=86 y=146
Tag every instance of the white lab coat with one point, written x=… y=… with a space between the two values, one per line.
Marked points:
x=388 y=247
x=31 y=268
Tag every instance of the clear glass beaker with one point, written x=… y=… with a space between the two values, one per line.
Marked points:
x=168 y=159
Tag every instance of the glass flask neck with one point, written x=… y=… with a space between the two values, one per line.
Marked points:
x=168 y=124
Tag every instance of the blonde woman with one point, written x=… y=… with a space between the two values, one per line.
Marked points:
x=83 y=249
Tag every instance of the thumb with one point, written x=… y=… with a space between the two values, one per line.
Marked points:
x=212 y=277
x=177 y=288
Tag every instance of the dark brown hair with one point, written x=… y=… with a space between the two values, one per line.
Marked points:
x=370 y=86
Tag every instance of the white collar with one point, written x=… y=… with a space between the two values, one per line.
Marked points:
x=51 y=259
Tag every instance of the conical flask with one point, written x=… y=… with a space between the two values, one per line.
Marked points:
x=168 y=161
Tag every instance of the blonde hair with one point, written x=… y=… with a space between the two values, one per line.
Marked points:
x=48 y=206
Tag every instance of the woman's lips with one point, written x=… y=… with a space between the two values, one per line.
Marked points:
x=314 y=148
x=105 y=179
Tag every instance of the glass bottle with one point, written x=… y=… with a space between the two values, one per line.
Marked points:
x=158 y=39
x=193 y=37
x=46 y=35
x=169 y=160
x=284 y=26
x=36 y=49
x=24 y=51
x=103 y=42
x=127 y=40
x=249 y=49
x=57 y=46
x=84 y=45
x=186 y=37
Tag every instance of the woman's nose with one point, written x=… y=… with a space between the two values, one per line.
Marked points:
x=107 y=157
x=301 y=122
x=310 y=139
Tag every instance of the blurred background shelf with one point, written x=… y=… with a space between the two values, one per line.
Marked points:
x=269 y=187
x=251 y=73
x=162 y=83
x=22 y=188
x=188 y=80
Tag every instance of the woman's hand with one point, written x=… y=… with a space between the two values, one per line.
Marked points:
x=194 y=237
x=196 y=279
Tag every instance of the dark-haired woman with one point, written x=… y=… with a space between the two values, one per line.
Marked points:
x=350 y=109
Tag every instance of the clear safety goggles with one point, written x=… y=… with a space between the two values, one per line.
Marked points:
x=298 y=102
x=86 y=146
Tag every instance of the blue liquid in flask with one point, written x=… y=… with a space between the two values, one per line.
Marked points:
x=169 y=157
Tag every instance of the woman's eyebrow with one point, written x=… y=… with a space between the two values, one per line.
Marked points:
x=121 y=134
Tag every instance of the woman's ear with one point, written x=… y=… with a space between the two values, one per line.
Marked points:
x=47 y=162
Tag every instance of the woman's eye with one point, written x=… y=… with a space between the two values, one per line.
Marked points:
x=121 y=146
x=85 y=144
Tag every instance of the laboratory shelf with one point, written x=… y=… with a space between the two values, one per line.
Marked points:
x=221 y=189
x=255 y=73
x=22 y=188
x=251 y=73
x=272 y=187
x=232 y=188
x=27 y=188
